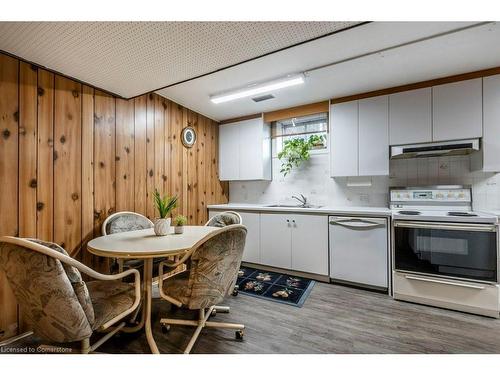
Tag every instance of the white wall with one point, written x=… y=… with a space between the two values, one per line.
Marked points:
x=313 y=180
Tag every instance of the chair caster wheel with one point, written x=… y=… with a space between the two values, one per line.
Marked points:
x=165 y=328
x=239 y=334
x=213 y=313
x=235 y=292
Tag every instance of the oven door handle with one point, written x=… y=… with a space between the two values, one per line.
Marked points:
x=472 y=228
x=444 y=282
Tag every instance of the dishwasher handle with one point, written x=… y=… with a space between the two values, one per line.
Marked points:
x=358 y=223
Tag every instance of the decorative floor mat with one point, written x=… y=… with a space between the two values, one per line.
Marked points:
x=277 y=287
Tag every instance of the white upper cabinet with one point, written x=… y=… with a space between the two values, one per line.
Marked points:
x=491 y=125
x=410 y=117
x=251 y=150
x=373 y=142
x=229 y=152
x=457 y=110
x=359 y=138
x=245 y=150
x=344 y=139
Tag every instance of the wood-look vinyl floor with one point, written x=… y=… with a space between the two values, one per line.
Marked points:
x=334 y=319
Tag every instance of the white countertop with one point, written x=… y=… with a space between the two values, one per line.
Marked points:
x=493 y=212
x=335 y=210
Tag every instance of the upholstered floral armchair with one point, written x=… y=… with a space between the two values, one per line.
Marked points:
x=57 y=303
x=126 y=221
x=223 y=219
x=203 y=277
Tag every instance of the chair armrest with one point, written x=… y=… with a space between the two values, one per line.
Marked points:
x=104 y=277
x=174 y=263
x=179 y=268
x=84 y=269
x=135 y=305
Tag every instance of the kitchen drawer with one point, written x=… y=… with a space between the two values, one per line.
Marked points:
x=476 y=298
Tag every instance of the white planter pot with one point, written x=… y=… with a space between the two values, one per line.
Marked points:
x=162 y=226
x=179 y=229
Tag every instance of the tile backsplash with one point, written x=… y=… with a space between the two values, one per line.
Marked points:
x=314 y=181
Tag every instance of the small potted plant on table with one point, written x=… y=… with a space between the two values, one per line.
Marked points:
x=164 y=206
x=180 y=221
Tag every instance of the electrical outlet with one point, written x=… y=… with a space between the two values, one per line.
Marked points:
x=364 y=198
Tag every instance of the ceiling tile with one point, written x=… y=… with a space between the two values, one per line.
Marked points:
x=131 y=58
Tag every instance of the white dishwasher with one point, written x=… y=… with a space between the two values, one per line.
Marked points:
x=359 y=251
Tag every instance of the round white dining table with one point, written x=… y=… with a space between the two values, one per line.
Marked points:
x=144 y=244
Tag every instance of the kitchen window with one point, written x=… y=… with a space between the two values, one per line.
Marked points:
x=304 y=127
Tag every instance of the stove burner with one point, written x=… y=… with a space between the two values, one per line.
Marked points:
x=409 y=212
x=466 y=214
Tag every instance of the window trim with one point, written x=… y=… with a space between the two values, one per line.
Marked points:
x=278 y=137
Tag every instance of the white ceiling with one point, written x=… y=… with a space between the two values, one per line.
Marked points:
x=453 y=53
x=132 y=58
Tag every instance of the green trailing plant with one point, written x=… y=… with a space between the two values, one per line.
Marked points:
x=317 y=140
x=180 y=220
x=165 y=204
x=296 y=151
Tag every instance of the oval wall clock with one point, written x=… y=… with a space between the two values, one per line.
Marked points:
x=188 y=136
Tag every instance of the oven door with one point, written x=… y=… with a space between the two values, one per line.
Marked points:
x=465 y=251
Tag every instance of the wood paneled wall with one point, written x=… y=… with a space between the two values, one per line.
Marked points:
x=70 y=155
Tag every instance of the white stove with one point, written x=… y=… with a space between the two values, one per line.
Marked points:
x=443 y=253
x=437 y=203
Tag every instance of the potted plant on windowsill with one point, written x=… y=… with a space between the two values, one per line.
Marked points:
x=180 y=221
x=164 y=206
x=317 y=141
x=296 y=151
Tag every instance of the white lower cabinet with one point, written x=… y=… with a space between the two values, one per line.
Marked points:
x=293 y=241
x=251 y=220
x=310 y=244
x=276 y=240
x=252 y=245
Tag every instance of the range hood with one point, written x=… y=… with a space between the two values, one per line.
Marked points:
x=427 y=150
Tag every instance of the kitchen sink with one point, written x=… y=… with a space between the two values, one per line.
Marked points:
x=293 y=206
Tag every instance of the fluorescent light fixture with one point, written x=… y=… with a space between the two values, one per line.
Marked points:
x=259 y=88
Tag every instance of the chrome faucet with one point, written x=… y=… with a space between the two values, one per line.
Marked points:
x=302 y=200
